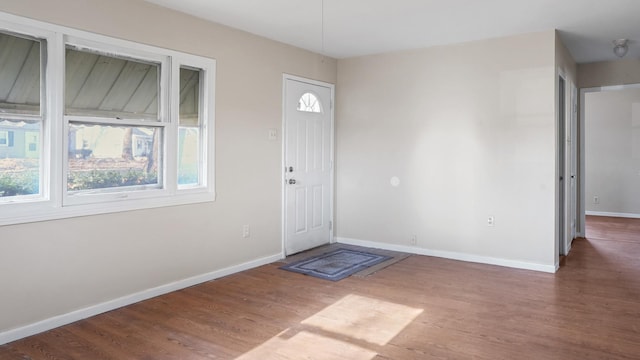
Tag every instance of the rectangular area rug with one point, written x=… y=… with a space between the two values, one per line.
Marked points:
x=336 y=265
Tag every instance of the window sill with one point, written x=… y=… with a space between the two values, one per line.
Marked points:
x=18 y=213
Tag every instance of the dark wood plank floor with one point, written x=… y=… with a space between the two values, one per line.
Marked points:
x=590 y=309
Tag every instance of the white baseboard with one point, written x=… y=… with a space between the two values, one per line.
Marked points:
x=64 y=319
x=613 y=214
x=451 y=255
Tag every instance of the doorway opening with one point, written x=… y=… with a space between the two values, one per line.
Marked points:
x=609 y=153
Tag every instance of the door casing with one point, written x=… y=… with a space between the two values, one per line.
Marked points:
x=562 y=165
x=567 y=201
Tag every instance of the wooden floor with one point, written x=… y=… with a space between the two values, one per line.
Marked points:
x=419 y=308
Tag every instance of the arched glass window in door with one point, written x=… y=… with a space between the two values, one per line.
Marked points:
x=309 y=103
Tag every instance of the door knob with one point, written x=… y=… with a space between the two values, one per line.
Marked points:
x=292 y=181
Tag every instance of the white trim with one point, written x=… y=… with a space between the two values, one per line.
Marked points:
x=451 y=255
x=332 y=89
x=562 y=235
x=283 y=168
x=53 y=136
x=610 y=88
x=64 y=319
x=574 y=178
x=613 y=214
x=21 y=214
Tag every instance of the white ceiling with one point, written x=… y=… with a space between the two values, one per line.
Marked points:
x=361 y=27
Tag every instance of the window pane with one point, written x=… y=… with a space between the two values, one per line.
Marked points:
x=107 y=86
x=188 y=155
x=19 y=158
x=189 y=97
x=19 y=75
x=189 y=147
x=309 y=103
x=106 y=156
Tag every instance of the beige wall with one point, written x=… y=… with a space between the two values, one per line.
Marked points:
x=52 y=268
x=612 y=157
x=607 y=73
x=564 y=61
x=469 y=130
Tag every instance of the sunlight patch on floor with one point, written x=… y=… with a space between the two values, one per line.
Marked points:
x=323 y=335
x=305 y=345
x=363 y=318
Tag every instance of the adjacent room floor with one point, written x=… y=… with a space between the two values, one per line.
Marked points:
x=417 y=308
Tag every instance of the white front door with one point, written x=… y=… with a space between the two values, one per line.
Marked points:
x=308 y=151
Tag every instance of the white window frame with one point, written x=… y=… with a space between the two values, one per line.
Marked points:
x=14 y=209
x=55 y=202
x=162 y=122
x=207 y=130
x=4 y=135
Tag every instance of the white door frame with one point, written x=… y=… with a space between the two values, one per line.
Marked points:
x=561 y=172
x=567 y=155
x=574 y=165
x=283 y=166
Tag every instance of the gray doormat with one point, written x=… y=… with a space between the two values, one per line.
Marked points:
x=321 y=250
x=335 y=265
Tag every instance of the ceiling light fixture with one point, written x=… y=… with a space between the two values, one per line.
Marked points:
x=620 y=47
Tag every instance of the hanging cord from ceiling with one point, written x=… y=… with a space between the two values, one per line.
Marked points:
x=322 y=29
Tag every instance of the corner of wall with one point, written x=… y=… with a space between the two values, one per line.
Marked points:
x=564 y=60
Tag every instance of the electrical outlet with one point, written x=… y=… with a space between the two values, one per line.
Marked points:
x=246 y=231
x=491 y=221
x=596 y=199
x=414 y=239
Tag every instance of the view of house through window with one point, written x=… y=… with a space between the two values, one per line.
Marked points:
x=4 y=138
x=20 y=115
x=106 y=156
x=107 y=99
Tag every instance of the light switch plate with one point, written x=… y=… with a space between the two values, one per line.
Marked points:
x=273 y=134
